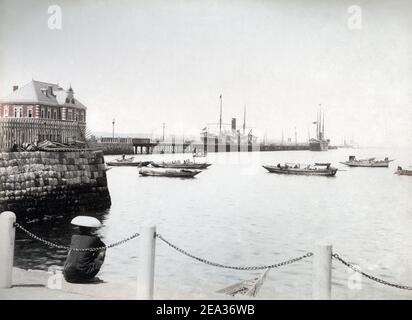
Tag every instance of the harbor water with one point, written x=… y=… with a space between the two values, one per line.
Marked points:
x=236 y=213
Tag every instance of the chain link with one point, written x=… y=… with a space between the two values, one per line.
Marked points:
x=307 y=255
x=381 y=281
x=68 y=248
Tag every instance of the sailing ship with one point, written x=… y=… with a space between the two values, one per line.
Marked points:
x=370 y=162
x=320 y=143
x=317 y=169
x=173 y=173
x=403 y=172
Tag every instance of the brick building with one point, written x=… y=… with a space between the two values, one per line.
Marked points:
x=39 y=111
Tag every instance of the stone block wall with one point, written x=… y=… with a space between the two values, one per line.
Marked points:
x=51 y=183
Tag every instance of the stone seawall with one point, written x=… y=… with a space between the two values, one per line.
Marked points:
x=50 y=183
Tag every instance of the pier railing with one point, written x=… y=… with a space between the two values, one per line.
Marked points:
x=29 y=130
x=321 y=259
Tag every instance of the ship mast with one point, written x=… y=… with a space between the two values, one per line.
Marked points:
x=220 y=119
x=319 y=133
x=323 y=126
x=244 y=119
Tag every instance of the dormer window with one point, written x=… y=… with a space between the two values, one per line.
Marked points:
x=67 y=100
x=73 y=101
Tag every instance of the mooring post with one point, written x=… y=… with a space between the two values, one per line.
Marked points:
x=145 y=275
x=7 y=235
x=322 y=272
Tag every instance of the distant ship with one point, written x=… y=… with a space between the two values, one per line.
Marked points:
x=227 y=137
x=320 y=143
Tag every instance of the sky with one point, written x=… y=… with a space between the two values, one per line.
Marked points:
x=145 y=63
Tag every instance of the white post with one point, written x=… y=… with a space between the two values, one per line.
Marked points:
x=7 y=235
x=145 y=275
x=322 y=272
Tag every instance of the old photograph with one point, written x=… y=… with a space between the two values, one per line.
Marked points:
x=205 y=150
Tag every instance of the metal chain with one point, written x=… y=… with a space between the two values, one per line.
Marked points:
x=307 y=255
x=381 y=281
x=68 y=248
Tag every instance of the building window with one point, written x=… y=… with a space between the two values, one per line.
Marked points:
x=42 y=113
x=73 y=101
x=48 y=114
x=55 y=114
x=69 y=115
x=30 y=112
x=18 y=112
x=5 y=111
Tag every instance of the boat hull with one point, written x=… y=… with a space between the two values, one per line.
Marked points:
x=169 y=173
x=128 y=164
x=318 y=145
x=181 y=165
x=366 y=165
x=302 y=172
x=404 y=172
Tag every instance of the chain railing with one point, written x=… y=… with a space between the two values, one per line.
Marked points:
x=211 y=263
x=69 y=248
x=373 y=278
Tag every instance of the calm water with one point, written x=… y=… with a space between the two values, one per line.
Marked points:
x=236 y=213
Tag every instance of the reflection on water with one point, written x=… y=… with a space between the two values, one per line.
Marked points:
x=32 y=254
x=236 y=213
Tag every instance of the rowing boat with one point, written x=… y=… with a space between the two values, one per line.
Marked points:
x=181 y=165
x=318 y=169
x=128 y=163
x=173 y=173
x=370 y=163
x=403 y=172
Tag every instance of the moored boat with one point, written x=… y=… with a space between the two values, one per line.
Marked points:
x=370 y=162
x=403 y=172
x=175 y=173
x=187 y=164
x=318 y=169
x=127 y=162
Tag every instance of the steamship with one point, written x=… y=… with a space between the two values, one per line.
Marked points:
x=226 y=136
x=320 y=143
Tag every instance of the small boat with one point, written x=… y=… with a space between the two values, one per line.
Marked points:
x=403 y=172
x=127 y=162
x=371 y=162
x=175 y=173
x=199 y=155
x=187 y=164
x=318 y=169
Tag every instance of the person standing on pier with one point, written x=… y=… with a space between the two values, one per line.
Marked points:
x=83 y=266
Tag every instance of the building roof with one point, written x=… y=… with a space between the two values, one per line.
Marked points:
x=35 y=92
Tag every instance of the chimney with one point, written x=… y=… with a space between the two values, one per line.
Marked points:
x=15 y=88
x=50 y=91
x=234 y=124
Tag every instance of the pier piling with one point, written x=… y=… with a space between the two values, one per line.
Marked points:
x=7 y=236
x=322 y=272
x=145 y=276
